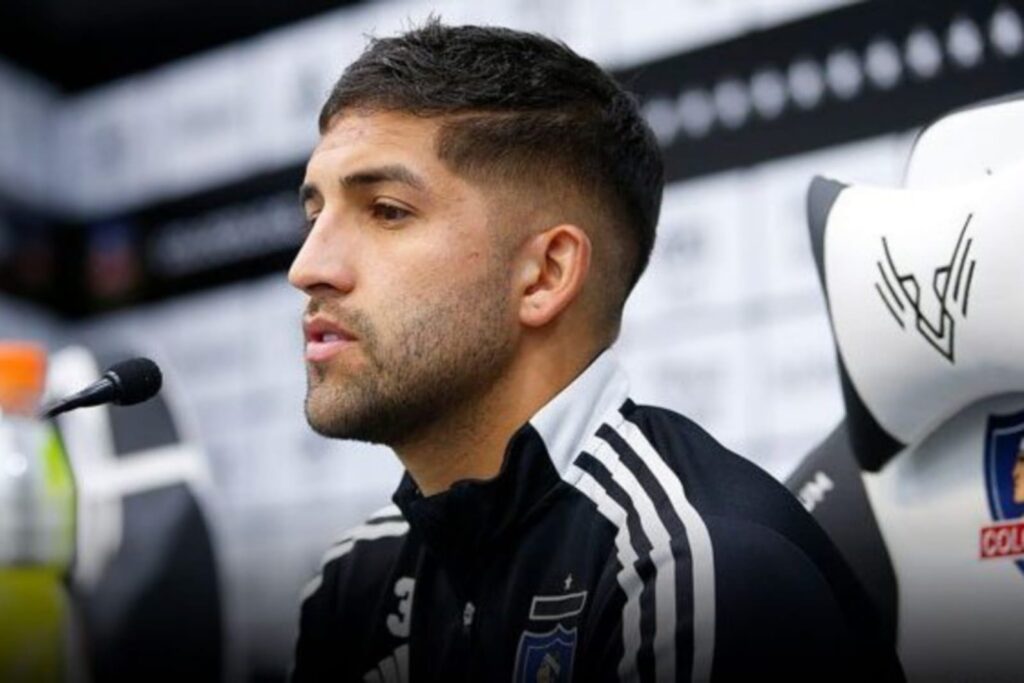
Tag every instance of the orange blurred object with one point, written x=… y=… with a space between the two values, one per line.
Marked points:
x=22 y=376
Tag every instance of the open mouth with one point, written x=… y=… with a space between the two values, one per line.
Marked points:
x=325 y=340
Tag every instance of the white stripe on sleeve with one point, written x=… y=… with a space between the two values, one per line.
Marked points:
x=366 y=532
x=700 y=549
x=628 y=578
x=662 y=559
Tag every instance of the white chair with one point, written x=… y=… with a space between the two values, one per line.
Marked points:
x=925 y=287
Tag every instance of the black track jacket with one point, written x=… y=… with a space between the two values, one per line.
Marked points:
x=619 y=542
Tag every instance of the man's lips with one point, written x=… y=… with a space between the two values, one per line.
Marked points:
x=324 y=339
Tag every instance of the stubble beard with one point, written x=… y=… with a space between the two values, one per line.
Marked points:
x=437 y=359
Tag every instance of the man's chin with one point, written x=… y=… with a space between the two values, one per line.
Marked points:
x=326 y=421
x=330 y=422
x=331 y=429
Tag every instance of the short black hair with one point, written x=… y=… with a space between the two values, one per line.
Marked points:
x=521 y=103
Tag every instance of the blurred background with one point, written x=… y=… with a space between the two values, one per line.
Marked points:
x=150 y=152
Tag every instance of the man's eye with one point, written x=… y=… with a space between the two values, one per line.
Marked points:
x=307 y=224
x=389 y=212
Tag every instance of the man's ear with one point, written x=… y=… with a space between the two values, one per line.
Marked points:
x=552 y=269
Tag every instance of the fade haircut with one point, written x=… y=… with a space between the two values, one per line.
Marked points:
x=524 y=108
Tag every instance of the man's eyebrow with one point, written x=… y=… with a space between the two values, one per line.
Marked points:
x=395 y=173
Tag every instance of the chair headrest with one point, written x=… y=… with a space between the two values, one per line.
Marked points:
x=925 y=289
x=968 y=144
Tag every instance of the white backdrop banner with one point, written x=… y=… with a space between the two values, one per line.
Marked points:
x=251 y=106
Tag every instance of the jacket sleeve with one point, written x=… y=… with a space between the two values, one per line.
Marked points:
x=779 y=612
x=774 y=614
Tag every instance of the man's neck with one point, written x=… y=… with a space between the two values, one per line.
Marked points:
x=470 y=442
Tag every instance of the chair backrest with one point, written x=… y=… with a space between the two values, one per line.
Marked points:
x=925 y=287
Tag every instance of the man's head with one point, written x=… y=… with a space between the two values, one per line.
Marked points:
x=524 y=113
x=473 y=187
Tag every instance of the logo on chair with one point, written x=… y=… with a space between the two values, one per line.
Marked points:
x=1004 y=481
x=905 y=298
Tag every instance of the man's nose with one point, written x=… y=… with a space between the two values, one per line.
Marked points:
x=322 y=261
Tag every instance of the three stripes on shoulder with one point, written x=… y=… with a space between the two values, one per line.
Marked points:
x=634 y=488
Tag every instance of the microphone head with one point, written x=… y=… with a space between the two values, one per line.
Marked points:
x=136 y=379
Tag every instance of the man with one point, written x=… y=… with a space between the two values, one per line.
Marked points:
x=480 y=204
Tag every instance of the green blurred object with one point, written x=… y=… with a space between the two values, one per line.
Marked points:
x=37 y=534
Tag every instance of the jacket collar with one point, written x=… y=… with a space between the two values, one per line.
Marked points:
x=569 y=419
x=462 y=523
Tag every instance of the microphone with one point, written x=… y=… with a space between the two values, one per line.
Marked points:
x=126 y=383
